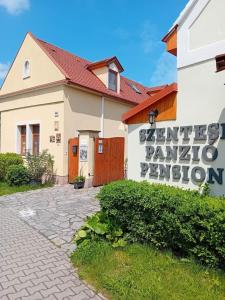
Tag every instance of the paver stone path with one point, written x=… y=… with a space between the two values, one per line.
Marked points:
x=36 y=230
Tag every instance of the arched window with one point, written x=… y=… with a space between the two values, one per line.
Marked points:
x=26 y=69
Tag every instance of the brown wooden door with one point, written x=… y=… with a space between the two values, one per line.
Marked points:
x=108 y=160
x=73 y=159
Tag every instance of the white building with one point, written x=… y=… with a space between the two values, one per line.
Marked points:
x=186 y=145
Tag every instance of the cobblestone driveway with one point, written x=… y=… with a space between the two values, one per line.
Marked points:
x=55 y=212
x=31 y=266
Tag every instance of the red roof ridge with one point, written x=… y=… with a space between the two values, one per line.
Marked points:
x=106 y=62
x=151 y=100
x=76 y=72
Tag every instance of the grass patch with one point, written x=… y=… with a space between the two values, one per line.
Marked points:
x=139 y=272
x=5 y=189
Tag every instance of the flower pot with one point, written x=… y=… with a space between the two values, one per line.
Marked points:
x=36 y=181
x=79 y=184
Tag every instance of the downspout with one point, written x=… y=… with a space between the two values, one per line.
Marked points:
x=102 y=117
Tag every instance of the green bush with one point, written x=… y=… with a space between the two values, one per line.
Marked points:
x=7 y=160
x=40 y=165
x=17 y=175
x=168 y=218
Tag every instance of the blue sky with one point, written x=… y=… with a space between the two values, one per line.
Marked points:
x=95 y=29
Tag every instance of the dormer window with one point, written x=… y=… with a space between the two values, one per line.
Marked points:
x=26 y=69
x=112 y=80
x=108 y=71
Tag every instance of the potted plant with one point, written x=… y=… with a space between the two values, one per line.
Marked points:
x=79 y=182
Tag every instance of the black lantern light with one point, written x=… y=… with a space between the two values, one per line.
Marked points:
x=152 y=115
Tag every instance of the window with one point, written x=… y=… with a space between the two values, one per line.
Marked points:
x=133 y=86
x=35 y=138
x=23 y=131
x=26 y=69
x=113 y=80
x=220 y=63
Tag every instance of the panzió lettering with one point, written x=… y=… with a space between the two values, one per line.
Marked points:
x=180 y=161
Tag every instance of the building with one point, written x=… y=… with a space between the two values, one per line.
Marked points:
x=185 y=146
x=50 y=96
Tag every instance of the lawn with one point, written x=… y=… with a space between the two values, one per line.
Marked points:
x=138 y=272
x=5 y=189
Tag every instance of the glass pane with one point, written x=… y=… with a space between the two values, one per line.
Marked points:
x=112 y=80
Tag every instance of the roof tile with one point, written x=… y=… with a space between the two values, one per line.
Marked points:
x=76 y=71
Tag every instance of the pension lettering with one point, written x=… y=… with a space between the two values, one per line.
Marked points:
x=192 y=145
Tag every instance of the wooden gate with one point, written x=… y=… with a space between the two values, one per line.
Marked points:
x=73 y=161
x=108 y=160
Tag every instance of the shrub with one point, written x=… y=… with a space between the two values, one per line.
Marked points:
x=80 y=178
x=169 y=218
x=99 y=227
x=17 y=175
x=40 y=165
x=7 y=160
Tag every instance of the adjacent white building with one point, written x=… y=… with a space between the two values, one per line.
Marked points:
x=185 y=146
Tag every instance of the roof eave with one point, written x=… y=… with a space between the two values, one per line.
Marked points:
x=168 y=35
x=143 y=105
x=182 y=16
x=106 y=62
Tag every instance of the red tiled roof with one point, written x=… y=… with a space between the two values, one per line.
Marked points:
x=148 y=102
x=76 y=71
x=152 y=91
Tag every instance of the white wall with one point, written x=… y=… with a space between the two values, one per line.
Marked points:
x=137 y=155
x=201 y=35
x=201 y=101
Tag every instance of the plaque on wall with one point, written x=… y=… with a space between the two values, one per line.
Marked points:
x=52 y=139
x=83 y=152
x=58 y=138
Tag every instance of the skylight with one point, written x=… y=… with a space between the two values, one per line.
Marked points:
x=134 y=88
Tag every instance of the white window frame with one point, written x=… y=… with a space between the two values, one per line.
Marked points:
x=26 y=71
x=29 y=135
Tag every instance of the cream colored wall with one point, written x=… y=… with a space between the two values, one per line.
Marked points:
x=38 y=106
x=83 y=112
x=38 y=97
x=210 y=25
x=42 y=69
x=102 y=74
x=113 y=111
x=113 y=127
x=86 y=168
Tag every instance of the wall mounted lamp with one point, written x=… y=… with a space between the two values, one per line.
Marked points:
x=152 y=115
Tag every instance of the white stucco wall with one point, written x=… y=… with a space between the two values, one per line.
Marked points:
x=201 y=35
x=207 y=29
x=201 y=101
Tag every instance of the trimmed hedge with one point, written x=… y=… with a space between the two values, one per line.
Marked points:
x=168 y=218
x=17 y=175
x=7 y=160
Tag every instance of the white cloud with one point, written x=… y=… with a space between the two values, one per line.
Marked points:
x=148 y=37
x=165 y=70
x=3 y=70
x=15 y=7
